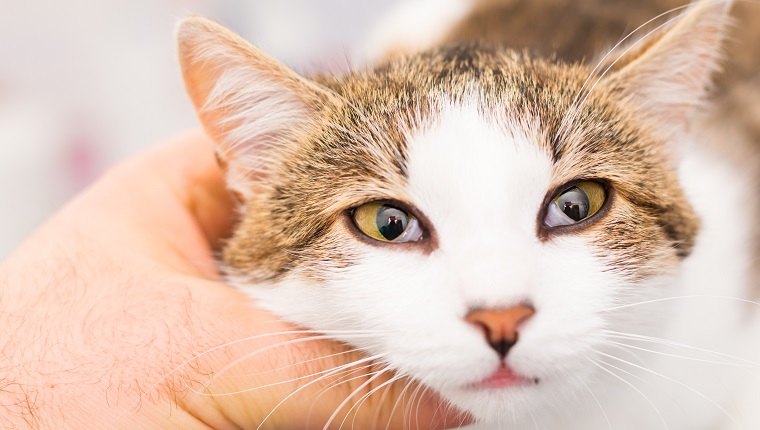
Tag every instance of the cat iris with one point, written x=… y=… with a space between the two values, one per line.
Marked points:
x=574 y=204
x=387 y=223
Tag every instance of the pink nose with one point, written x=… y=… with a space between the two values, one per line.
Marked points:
x=500 y=326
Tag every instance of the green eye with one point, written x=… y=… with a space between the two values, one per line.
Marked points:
x=386 y=223
x=575 y=204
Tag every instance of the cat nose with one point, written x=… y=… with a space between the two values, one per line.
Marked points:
x=500 y=326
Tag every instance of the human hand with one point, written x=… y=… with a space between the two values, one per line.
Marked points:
x=113 y=316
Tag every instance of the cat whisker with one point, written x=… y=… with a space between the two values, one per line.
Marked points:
x=419 y=405
x=406 y=421
x=575 y=109
x=627 y=351
x=378 y=409
x=366 y=396
x=347 y=376
x=409 y=406
x=385 y=385
x=344 y=377
x=725 y=412
x=292 y=364
x=345 y=380
x=726 y=363
x=232 y=393
x=599 y=364
x=397 y=402
x=601 y=408
x=564 y=124
x=693 y=296
x=335 y=370
x=533 y=417
x=540 y=421
x=345 y=373
x=290 y=342
x=442 y=408
x=311 y=360
x=228 y=344
x=374 y=376
x=666 y=342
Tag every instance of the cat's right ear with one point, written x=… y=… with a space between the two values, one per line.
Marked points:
x=250 y=104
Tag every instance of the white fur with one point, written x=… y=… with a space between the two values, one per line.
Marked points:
x=481 y=182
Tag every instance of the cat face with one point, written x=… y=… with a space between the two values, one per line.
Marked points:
x=477 y=159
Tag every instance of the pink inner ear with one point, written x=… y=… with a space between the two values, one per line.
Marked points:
x=669 y=77
x=256 y=117
x=249 y=103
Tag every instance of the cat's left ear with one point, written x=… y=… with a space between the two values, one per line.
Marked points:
x=667 y=74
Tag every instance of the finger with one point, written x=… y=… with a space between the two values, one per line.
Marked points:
x=198 y=183
x=186 y=177
x=168 y=206
x=277 y=376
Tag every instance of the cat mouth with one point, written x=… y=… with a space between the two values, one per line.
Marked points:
x=503 y=377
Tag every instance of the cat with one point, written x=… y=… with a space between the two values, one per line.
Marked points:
x=543 y=240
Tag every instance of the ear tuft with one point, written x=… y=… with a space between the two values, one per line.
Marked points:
x=250 y=104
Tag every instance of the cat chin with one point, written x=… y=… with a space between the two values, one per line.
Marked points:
x=514 y=405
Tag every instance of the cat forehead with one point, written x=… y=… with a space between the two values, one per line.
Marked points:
x=406 y=90
x=469 y=162
x=512 y=91
x=498 y=75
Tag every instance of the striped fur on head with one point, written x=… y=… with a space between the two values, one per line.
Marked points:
x=348 y=146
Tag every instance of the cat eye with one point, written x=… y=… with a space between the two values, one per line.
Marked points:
x=387 y=223
x=576 y=203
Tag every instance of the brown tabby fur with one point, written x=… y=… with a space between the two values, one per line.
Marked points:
x=571 y=30
x=353 y=163
x=352 y=147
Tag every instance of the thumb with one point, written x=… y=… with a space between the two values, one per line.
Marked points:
x=278 y=376
x=168 y=206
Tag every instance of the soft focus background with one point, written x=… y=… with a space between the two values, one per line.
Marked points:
x=85 y=83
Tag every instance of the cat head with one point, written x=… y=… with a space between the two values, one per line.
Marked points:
x=445 y=202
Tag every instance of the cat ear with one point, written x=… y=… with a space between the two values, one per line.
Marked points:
x=250 y=104
x=669 y=72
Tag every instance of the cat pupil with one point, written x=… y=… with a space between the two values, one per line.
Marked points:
x=574 y=204
x=391 y=222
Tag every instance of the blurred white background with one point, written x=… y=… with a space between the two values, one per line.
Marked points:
x=85 y=83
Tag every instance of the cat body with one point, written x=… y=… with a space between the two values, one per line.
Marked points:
x=634 y=307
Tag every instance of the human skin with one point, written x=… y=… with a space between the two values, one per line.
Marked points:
x=113 y=315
